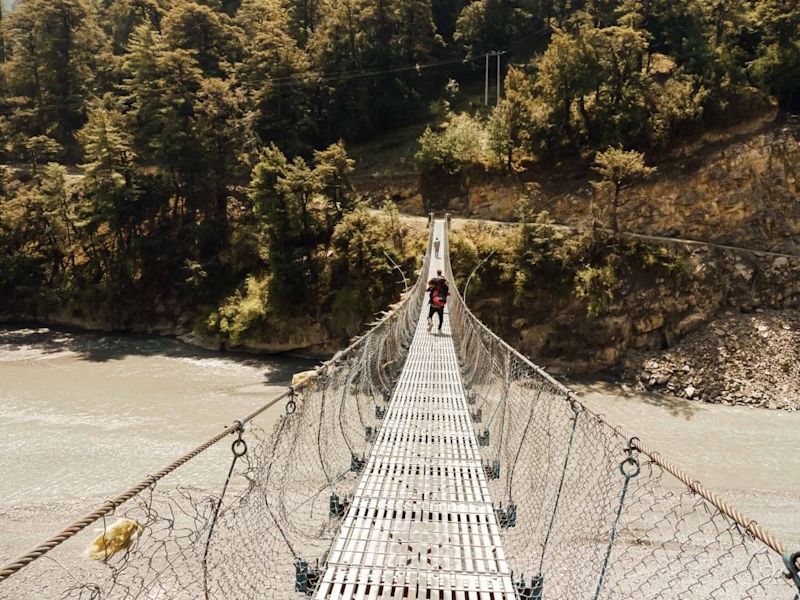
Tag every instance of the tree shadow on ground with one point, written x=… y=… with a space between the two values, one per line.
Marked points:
x=678 y=407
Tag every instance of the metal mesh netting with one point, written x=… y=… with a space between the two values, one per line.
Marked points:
x=278 y=516
x=584 y=514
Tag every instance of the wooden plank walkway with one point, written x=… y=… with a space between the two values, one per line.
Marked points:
x=421 y=523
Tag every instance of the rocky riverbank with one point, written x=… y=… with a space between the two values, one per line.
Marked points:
x=298 y=339
x=746 y=359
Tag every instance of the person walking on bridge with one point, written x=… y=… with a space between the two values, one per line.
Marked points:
x=436 y=244
x=438 y=290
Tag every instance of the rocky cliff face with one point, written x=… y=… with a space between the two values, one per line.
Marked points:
x=746 y=194
x=645 y=315
x=741 y=187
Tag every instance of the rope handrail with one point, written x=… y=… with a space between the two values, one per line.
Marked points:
x=749 y=525
x=111 y=504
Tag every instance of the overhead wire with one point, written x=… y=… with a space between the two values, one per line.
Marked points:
x=310 y=78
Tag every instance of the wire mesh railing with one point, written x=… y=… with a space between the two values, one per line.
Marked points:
x=589 y=513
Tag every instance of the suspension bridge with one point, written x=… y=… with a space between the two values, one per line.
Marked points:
x=417 y=465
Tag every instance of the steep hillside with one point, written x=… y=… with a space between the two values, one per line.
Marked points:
x=738 y=185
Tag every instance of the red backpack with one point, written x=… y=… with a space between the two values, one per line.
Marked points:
x=439 y=298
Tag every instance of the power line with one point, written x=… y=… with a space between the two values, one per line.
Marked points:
x=309 y=78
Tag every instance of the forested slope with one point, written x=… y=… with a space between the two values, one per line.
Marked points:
x=189 y=158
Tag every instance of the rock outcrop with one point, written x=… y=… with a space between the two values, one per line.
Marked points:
x=645 y=315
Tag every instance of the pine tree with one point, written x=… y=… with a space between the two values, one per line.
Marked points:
x=303 y=19
x=37 y=150
x=777 y=63
x=512 y=122
x=108 y=182
x=277 y=74
x=220 y=127
x=332 y=170
x=568 y=71
x=56 y=48
x=416 y=35
x=209 y=35
x=124 y=16
x=618 y=169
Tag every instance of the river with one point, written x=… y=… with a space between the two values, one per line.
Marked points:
x=748 y=456
x=83 y=416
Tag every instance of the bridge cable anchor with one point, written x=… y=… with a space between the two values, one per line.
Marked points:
x=506 y=517
x=530 y=591
x=492 y=469
x=357 y=463
x=306 y=577
x=338 y=506
x=483 y=438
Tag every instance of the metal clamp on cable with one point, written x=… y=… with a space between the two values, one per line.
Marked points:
x=630 y=466
x=574 y=403
x=239 y=446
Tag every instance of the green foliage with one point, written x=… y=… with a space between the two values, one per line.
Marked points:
x=536 y=262
x=36 y=150
x=207 y=33
x=595 y=286
x=507 y=127
x=629 y=73
x=464 y=254
x=55 y=53
x=539 y=253
x=301 y=205
x=199 y=140
x=618 y=169
x=364 y=247
x=486 y=25
x=460 y=141
x=776 y=65
x=356 y=279
x=243 y=313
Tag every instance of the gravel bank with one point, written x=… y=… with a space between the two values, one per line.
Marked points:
x=739 y=359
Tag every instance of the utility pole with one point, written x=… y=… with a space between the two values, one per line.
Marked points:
x=499 y=54
x=499 y=80
x=486 y=94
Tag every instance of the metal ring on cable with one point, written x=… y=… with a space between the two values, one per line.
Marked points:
x=633 y=471
x=792 y=561
x=291 y=407
x=239 y=448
